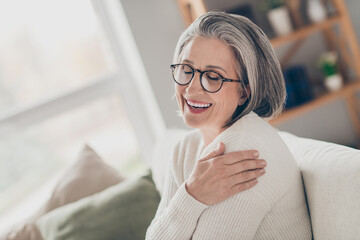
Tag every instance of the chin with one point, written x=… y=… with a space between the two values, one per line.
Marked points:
x=192 y=123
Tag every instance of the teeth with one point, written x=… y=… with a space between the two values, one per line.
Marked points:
x=198 y=105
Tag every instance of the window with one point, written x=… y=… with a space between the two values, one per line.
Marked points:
x=44 y=53
x=63 y=83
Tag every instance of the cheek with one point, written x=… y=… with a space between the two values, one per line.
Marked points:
x=178 y=93
x=222 y=99
x=227 y=101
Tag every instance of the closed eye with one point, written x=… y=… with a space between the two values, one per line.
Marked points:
x=213 y=76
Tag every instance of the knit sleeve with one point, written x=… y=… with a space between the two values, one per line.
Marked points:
x=272 y=209
x=177 y=214
x=238 y=217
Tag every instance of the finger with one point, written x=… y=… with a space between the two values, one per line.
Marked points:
x=217 y=152
x=246 y=176
x=245 y=165
x=243 y=186
x=234 y=157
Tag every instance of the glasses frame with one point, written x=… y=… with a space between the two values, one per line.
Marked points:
x=172 y=66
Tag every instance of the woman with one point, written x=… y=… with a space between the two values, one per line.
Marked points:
x=227 y=80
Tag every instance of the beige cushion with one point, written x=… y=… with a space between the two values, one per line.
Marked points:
x=89 y=175
x=331 y=175
x=123 y=211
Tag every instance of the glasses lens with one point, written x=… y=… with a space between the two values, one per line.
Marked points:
x=211 y=81
x=183 y=74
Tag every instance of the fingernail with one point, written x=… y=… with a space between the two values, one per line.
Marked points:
x=256 y=154
x=263 y=163
x=262 y=170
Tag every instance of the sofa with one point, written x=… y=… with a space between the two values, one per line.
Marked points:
x=331 y=177
x=92 y=201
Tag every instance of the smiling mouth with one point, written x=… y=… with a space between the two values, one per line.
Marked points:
x=197 y=105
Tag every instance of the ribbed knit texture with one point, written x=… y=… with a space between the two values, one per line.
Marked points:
x=274 y=209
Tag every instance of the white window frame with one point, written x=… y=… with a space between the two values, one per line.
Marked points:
x=129 y=80
x=139 y=98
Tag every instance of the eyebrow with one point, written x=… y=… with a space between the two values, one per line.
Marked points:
x=207 y=66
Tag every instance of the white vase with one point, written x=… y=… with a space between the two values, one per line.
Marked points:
x=280 y=21
x=333 y=82
x=316 y=11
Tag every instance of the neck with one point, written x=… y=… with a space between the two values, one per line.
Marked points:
x=210 y=134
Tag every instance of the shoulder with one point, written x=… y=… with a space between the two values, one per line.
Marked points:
x=254 y=125
x=282 y=172
x=250 y=130
x=258 y=133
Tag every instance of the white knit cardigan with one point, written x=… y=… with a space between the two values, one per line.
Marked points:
x=274 y=209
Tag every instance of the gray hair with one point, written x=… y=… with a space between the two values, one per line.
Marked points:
x=257 y=64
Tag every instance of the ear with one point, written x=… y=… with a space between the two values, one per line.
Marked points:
x=245 y=93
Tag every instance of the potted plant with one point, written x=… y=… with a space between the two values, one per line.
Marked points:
x=328 y=64
x=278 y=16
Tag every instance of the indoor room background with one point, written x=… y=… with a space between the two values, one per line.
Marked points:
x=156 y=38
x=86 y=72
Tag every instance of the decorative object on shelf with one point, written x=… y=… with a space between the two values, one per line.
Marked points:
x=327 y=62
x=298 y=87
x=294 y=8
x=279 y=17
x=337 y=21
x=316 y=11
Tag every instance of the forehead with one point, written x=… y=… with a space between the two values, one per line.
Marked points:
x=209 y=51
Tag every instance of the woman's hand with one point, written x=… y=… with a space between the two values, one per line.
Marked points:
x=219 y=176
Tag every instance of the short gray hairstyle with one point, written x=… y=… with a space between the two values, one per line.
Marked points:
x=257 y=64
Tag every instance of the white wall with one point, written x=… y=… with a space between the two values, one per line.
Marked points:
x=157 y=24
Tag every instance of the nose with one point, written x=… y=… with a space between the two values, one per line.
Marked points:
x=194 y=87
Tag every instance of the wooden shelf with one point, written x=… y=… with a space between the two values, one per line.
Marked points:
x=348 y=90
x=344 y=41
x=304 y=32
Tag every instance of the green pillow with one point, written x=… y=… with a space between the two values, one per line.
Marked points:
x=123 y=211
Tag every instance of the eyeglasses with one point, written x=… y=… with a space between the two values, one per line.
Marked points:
x=210 y=81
